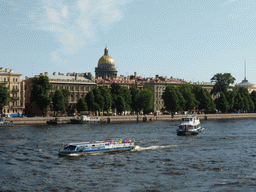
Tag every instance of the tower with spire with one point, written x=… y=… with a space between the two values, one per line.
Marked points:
x=245 y=83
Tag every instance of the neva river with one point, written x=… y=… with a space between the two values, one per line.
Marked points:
x=221 y=158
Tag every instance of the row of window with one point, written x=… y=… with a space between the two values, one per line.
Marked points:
x=72 y=88
x=159 y=102
x=7 y=79
x=10 y=111
x=72 y=98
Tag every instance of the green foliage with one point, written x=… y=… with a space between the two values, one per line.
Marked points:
x=98 y=99
x=204 y=98
x=81 y=105
x=230 y=96
x=66 y=94
x=146 y=100
x=173 y=100
x=222 y=103
x=238 y=102
x=120 y=104
x=190 y=98
x=105 y=92
x=253 y=97
x=58 y=102
x=124 y=92
x=90 y=101
x=222 y=82
x=134 y=98
x=4 y=97
x=39 y=92
x=248 y=103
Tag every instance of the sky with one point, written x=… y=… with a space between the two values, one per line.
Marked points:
x=186 y=39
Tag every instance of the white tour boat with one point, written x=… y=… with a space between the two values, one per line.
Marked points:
x=75 y=149
x=189 y=125
x=83 y=119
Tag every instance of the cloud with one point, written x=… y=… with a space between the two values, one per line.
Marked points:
x=74 y=23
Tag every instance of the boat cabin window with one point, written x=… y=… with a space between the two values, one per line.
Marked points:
x=70 y=147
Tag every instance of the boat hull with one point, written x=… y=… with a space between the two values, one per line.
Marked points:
x=183 y=133
x=84 y=152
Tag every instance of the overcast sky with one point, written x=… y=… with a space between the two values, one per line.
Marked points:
x=186 y=39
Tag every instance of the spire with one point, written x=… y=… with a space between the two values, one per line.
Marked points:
x=244 y=69
x=106 y=51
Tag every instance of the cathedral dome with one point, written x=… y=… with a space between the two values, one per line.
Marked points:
x=106 y=59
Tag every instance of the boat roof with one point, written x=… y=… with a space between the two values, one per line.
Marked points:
x=189 y=117
x=84 y=143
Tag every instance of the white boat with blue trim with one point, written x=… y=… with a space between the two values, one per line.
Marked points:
x=189 y=125
x=76 y=149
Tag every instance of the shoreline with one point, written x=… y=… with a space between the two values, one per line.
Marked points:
x=134 y=118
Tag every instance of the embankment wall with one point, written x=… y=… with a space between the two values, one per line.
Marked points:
x=135 y=118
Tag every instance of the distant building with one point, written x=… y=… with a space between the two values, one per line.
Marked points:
x=79 y=84
x=245 y=83
x=16 y=87
x=106 y=67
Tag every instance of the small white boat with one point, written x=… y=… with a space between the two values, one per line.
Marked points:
x=76 y=149
x=4 y=123
x=83 y=119
x=189 y=125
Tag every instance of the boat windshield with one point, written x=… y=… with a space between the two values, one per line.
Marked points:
x=70 y=147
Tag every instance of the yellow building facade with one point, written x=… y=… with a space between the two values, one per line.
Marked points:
x=16 y=87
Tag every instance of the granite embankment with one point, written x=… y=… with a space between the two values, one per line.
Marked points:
x=126 y=119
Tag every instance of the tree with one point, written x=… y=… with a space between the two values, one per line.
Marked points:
x=222 y=103
x=134 y=98
x=4 y=97
x=98 y=99
x=238 y=102
x=81 y=105
x=204 y=98
x=146 y=100
x=124 y=92
x=58 y=102
x=120 y=104
x=230 y=96
x=40 y=92
x=173 y=100
x=248 y=103
x=90 y=101
x=105 y=92
x=222 y=82
x=253 y=97
x=190 y=98
x=66 y=94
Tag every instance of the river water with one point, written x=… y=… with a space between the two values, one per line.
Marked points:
x=221 y=158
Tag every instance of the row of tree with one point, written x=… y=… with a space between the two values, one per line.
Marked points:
x=100 y=99
x=187 y=98
x=117 y=97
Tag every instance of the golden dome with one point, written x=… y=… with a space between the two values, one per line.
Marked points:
x=106 y=59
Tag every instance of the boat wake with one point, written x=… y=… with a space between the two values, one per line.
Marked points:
x=138 y=148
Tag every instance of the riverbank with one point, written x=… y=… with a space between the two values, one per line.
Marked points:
x=134 y=118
